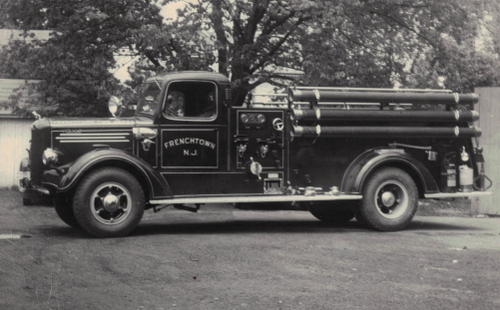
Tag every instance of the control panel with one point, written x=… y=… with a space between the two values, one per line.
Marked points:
x=259 y=138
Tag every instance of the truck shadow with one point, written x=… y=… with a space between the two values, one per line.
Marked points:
x=287 y=226
x=236 y=227
x=257 y=226
x=424 y=225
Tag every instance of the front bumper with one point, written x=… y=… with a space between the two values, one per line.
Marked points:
x=31 y=193
x=24 y=178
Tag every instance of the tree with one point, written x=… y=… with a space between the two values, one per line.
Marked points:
x=367 y=43
x=245 y=37
x=76 y=61
x=405 y=43
x=363 y=43
x=459 y=67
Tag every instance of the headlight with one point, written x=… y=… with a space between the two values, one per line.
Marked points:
x=49 y=157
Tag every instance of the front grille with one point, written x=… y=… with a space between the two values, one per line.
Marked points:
x=38 y=145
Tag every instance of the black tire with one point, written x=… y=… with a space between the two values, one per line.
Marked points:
x=27 y=202
x=359 y=218
x=390 y=200
x=334 y=213
x=109 y=202
x=64 y=209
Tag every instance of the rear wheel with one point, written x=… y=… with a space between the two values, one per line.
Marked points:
x=109 y=202
x=390 y=200
x=64 y=209
x=335 y=213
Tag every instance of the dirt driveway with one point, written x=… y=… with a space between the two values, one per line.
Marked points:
x=222 y=258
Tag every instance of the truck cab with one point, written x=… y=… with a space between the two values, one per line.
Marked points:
x=340 y=153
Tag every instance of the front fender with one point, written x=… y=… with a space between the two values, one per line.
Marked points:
x=65 y=178
x=24 y=165
x=370 y=160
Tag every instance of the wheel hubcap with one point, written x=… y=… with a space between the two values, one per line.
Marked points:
x=110 y=203
x=392 y=199
x=388 y=199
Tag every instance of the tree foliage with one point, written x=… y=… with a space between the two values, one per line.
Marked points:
x=401 y=42
x=76 y=61
x=362 y=43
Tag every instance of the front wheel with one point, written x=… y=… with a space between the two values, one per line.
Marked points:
x=109 y=202
x=64 y=209
x=390 y=200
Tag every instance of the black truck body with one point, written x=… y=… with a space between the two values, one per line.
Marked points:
x=339 y=152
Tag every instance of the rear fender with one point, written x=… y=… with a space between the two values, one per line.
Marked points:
x=370 y=160
x=65 y=178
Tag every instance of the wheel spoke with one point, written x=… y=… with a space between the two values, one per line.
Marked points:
x=105 y=191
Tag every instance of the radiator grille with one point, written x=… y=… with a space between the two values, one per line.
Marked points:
x=38 y=145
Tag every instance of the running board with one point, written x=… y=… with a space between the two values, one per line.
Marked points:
x=253 y=199
x=458 y=195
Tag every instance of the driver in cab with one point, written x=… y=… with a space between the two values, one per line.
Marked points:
x=175 y=105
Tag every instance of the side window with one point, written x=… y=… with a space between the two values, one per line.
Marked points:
x=191 y=101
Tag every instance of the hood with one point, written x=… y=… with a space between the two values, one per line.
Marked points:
x=80 y=122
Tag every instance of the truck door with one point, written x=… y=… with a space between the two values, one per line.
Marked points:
x=192 y=134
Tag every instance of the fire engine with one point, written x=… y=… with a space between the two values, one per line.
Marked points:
x=342 y=153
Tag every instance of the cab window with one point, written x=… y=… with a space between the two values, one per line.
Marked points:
x=191 y=101
x=148 y=98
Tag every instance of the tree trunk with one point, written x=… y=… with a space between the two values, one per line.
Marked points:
x=241 y=84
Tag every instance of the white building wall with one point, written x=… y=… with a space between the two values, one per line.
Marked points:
x=15 y=136
x=489 y=120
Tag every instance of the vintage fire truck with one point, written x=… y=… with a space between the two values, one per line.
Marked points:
x=338 y=152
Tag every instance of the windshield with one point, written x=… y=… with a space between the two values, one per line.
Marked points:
x=148 y=98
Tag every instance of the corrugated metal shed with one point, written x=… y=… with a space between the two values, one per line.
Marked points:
x=15 y=132
x=15 y=136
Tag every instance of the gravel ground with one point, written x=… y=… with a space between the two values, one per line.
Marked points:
x=222 y=258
